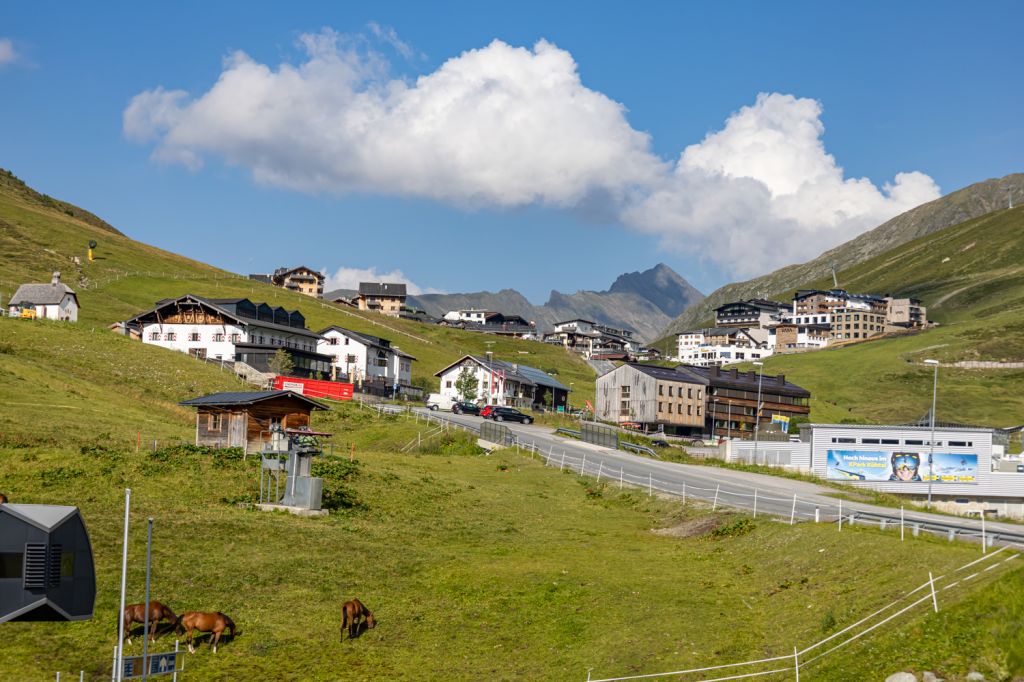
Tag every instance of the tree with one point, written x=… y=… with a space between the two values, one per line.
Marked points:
x=282 y=363
x=467 y=384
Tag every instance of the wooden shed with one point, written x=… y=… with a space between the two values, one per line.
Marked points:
x=46 y=564
x=249 y=419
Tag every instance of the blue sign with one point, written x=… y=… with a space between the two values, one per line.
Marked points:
x=875 y=465
x=159 y=664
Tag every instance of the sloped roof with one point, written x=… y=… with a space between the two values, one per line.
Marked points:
x=247 y=398
x=41 y=294
x=218 y=305
x=381 y=289
x=523 y=374
x=43 y=516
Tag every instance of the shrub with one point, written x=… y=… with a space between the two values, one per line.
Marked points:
x=337 y=472
x=735 y=529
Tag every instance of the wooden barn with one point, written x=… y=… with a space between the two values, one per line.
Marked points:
x=249 y=419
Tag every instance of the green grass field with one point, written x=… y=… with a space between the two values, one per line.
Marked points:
x=38 y=237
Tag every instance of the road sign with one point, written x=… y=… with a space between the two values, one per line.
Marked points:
x=159 y=664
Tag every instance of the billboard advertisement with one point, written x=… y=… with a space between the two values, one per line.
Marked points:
x=875 y=465
x=314 y=388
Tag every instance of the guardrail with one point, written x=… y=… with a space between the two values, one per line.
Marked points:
x=626 y=445
x=569 y=432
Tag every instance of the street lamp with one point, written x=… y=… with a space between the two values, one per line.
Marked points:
x=931 y=450
x=757 y=407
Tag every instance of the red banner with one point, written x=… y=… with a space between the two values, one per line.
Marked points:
x=314 y=388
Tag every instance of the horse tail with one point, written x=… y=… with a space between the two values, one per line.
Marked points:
x=227 y=621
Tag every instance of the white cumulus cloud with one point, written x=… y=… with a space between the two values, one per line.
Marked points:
x=349 y=278
x=504 y=126
x=8 y=55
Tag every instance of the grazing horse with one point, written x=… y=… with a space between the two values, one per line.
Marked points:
x=351 y=612
x=215 y=623
x=3 y=499
x=136 y=613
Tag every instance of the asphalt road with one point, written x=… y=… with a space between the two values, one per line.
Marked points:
x=758 y=493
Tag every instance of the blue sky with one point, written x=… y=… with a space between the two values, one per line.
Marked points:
x=536 y=166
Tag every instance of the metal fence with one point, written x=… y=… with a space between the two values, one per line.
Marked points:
x=599 y=434
x=496 y=433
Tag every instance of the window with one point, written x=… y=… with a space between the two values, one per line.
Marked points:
x=448 y=384
x=670 y=408
x=170 y=336
x=661 y=391
x=890 y=441
x=698 y=410
x=193 y=336
x=669 y=391
x=871 y=441
x=214 y=424
x=625 y=392
x=236 y=338
x=844 y=440
x=154 y=336
x=11 y=564
x=660 y=408
x=689 y=393
x=218 y=337
x=960 y=443
x=910 y=442
x=333 y=341
x=689 y=409
x=699 y=396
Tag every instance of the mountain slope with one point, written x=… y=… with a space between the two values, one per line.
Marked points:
x=971 y=278
x=39 y=236
x=641 y=301
x=969 y=202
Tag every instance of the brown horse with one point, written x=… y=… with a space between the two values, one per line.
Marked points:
x=3 y=499
x=200 y=621
x=136 y=613
x=351 y=612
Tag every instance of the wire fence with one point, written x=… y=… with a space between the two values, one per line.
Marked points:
x=926 y=593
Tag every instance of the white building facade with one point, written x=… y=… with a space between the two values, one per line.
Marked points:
x=360 y=358
x=53 y=301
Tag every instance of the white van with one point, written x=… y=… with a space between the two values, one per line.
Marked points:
x=436 y=401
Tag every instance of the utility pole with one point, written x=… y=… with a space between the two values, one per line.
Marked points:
x=757 y=407
x=931 y=451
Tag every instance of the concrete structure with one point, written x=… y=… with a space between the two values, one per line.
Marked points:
x=387 y=298
x=970 y=472
x=905 y=312
x=504 y=383
x=251 y=420
x=53 y=301
x=751 y=313
x=361 y=358
x=46 y=564
x=233 y=330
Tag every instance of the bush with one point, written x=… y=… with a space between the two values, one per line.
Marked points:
x=337 y=473
x=731 y=530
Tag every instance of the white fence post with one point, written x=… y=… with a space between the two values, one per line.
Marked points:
x=984 y=543
x=715 y=504
x=620 y=478
x=755 y=503
x=935 y=601
x=817 y=514
x=796 y=664
x=600 y=467
x=650 y=484
x=901 y=524
x=792 y=514
x=840 y=515
x=562 y=465
x=583 y=467
x=684 y=492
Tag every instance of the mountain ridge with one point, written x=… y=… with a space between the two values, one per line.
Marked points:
x=641 y=301
x=952 y=209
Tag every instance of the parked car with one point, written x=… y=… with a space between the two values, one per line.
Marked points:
x=464 y=407
x=510 y=414
x=486 y=410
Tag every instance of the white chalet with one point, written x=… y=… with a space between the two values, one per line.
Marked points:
x=716 y=346
x=53 y=301
x=232 y=330
x=504 y=383
x=361 y=358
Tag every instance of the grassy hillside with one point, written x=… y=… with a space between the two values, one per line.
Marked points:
x=971 y=279
x=477 y=567
x=39 y=235
x=954 y=208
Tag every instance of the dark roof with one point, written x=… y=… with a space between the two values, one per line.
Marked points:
x=367 y=340
x=43 y=516
x=218 y=305
x=759 y=303
x=282 y=272
x=714 y=331
x=733 y=378
x=248 y=398
x=381 y=289
x=664 y=373
x=524 y=374
x=41 y=294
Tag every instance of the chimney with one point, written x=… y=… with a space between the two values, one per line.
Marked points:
x=515 y=368
x=56 y=278
x=781 y=379
x=735 y=373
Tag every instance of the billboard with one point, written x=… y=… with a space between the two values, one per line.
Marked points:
x=875 y=465
x=783 y=422
x=313 y=388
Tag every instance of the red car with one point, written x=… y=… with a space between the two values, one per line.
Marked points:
x=485 y=412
